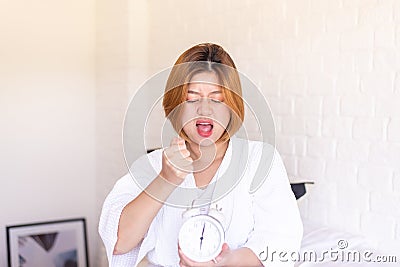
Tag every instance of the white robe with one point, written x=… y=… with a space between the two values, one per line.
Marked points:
x=265 y=220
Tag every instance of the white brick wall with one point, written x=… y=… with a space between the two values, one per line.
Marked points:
x=353 y=151
x=291 y=165
x=396 y=183
x=385 y=204
x=350 y=202
x=394 y=130
x=375 y=177
x=341 y=172
x=331 y=70
x=286 y=145
x=294 y=85
x=397 y=78
x=321 y=147
x=377 y=82
x=307 y=106
x=293 y=126
x=397 y=231
x=300 y=145
x=357 y=105
x=368 y=129
x=337 y=127
x=388 y=106
x=312 y=168
x=377 y=226
x=385 y=154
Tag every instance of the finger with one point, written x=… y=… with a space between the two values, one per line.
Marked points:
x=178 y=147
x=185 y=164
x=174 y=141
x=225 y=247
x=177 y=141
x=182 y=257
x=168 y=152
x=174 y=154
x=182 y=149
x=189 y=160
x=181 y=143
x=172 y=149
x=185 y=260
x=188 y=262
x=178 y=160
x=184 y=153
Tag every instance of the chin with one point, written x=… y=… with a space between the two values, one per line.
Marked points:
x=205 y=141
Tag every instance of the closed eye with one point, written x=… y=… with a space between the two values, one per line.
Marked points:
x=216 y=100
x=197 y=100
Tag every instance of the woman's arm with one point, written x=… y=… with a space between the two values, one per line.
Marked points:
x=137 y=215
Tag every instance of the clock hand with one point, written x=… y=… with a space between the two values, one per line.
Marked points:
x=202 y=234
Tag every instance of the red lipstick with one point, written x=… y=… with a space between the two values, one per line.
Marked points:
x=204 y=127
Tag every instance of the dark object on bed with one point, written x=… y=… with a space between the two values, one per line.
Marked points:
x=299 y=188
x=151 y=150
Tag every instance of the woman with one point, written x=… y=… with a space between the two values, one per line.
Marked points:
x=204 y=104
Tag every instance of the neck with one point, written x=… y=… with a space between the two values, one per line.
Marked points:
x=207 y=159
x=205 y=153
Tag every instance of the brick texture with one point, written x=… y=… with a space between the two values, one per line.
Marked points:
x=331 y=69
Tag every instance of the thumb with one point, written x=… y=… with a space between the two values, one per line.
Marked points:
x=225 y=248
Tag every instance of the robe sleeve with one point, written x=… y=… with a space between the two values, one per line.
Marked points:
x=124 y=191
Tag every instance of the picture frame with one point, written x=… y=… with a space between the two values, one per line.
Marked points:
x=54 y=243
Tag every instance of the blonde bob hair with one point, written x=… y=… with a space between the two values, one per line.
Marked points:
x=205 y=57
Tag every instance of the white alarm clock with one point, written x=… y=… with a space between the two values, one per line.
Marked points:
x=202 y=235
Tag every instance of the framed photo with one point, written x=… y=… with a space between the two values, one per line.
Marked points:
x=50 y=244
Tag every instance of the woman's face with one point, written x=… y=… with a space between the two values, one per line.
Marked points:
x=205 y=116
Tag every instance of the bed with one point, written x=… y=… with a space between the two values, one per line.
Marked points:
x=324 y=246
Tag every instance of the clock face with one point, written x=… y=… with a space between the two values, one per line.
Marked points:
x=201 y=238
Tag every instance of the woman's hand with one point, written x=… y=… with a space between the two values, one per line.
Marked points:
x=221 y=260
x=176 y=162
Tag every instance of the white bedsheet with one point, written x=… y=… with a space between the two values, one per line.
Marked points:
x=334 y=248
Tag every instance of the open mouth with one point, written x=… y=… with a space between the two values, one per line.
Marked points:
x=204 y=127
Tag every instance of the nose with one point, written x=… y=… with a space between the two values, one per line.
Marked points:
x=204 y=108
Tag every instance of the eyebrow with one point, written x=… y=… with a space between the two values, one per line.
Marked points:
x=198 y=93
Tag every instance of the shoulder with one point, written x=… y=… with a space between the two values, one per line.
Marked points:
x=147 y=165
x=255 y=150
x=151 y=159
x=264 y=163
x=140 y=173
